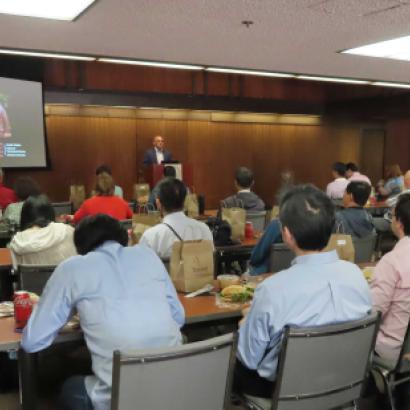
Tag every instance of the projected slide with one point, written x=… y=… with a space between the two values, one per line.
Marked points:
x=22 y=139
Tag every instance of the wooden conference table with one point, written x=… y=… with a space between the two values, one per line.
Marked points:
x=201 y=310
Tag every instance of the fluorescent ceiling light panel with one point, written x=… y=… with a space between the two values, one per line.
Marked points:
x=394 y=85
x=46 y=55
x=332 y=80
x=49 y=9
x=249 y=72
x=397 y=49
x=151 y=64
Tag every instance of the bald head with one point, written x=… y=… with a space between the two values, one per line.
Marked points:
x=158 y=142
x=407 y=180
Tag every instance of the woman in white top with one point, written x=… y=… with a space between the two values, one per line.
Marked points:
x=41 y=241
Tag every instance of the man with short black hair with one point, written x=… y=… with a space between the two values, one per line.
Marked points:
x=390 y=286
x=318 y=289
x=354 y=219
x=353 y=174
x=124 y=298
x=337 y=187
x=244 y=197
x=175 y=225
x=168 y=172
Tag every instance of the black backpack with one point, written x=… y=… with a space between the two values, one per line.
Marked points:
x=221 y=232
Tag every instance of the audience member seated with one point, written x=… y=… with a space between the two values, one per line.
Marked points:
x=244 y=197
x=394 y=184
x=354 y=219
x=260 y=257
x=7 y=195
x=175 y=225
x=169 y=172
x=104 y=202
x=353 y=174
x=124 y=298
x=383 y=224
x=390 y=286
x=107 y=169
x=318 y=289
x=23 y=188
x=41 y=240
x=392 y=201
x=286 y=182
x=336 y=188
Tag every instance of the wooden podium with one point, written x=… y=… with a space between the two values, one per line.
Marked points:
x=154 y=173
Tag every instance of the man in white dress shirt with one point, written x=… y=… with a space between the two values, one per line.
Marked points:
x=175 y=225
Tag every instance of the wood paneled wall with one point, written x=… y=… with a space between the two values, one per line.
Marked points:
x=136 y=79
x=397 y=149
x=77 y=145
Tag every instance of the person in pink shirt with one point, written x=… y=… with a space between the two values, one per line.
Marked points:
x=353 y=174
x=336 y=188
x=390 y=286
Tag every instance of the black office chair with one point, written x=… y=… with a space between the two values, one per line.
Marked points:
x=280 y=257
x=33 y=278
x=62 y=208
x=321 y=368
x=364 y=248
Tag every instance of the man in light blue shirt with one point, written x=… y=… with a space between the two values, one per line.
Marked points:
x=318 y=289
x=124 y=298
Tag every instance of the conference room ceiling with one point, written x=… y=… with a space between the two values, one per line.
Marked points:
x=297 y=36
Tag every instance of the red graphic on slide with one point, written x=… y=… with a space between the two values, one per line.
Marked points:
x=5 y=128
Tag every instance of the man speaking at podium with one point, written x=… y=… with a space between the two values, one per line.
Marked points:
x=158 y=154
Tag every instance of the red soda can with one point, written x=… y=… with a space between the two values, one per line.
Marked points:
x=22 y=309
x=249 y=230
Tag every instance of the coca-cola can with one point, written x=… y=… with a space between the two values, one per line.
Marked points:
x=22 y=309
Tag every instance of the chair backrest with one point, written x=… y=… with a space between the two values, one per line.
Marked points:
x=258 y=219
x=403 y=364
x=33 y=278
x=364 y=248
x=192 y=376
x=280 y=257
x=324 y=367
x=126 y=223
x=62 y=208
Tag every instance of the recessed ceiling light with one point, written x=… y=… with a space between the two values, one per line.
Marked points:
x=249 y=72
x=49 y=9
x=394 y=85
x=332 y=80
x=47 y=55
x=397 y=49
x=151 y=63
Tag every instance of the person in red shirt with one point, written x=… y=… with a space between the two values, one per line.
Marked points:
x=104 y=202
x=7 y=195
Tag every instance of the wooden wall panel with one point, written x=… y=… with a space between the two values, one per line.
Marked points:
x=397 y=149
x=119 y=77
x=78 y=144
x=136 y=79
